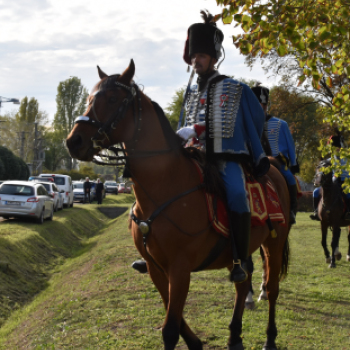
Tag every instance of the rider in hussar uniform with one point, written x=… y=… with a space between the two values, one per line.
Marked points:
x=226 y=117
x=282 y=147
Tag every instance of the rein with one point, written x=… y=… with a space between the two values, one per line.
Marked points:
x=104 y=129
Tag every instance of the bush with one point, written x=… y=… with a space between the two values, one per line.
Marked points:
x=13 y=168
x=305 y=202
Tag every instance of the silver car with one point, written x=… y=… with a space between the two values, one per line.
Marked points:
x=25 y=199
x=53 y=190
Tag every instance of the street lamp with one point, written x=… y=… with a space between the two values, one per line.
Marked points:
x=5 y=99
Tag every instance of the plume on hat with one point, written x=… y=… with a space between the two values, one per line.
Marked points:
x=208 y=18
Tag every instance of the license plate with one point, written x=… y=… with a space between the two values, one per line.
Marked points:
x=13 y=203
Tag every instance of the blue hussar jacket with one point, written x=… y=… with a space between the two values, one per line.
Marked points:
x=232 y=115
x=281 y=140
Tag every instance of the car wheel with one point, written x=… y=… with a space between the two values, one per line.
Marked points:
x=6 y=217
x=51 y=215
x=56 y=207
x=71 y=205
x=40 y=219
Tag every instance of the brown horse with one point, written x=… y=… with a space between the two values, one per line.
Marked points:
x=171 y=228
x=330 y=212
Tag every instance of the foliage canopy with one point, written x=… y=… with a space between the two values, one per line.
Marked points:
x=315 y=33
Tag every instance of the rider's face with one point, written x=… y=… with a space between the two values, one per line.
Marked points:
x=202 y=63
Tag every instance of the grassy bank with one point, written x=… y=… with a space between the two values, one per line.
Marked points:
x=96 y=301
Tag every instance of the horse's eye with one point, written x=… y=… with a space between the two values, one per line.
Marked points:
x=113 y=99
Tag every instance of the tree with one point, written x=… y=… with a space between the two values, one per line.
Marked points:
x=56 y=150
x=173 y=110
x=13 y=167
x=313 y=33
x=71 y=102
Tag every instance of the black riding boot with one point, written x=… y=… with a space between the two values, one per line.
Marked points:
x=240 y=236
x=293 y=192
x=314 y=216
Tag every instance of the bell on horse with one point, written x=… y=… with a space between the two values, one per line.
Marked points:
x=171 y=204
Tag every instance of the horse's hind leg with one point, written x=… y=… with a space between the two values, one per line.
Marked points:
x=171 y=329
x=334 y=245
x=324 y=230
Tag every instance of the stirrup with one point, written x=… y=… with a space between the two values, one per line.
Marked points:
x=239 y=272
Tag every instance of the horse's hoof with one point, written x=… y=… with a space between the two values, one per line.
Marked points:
x=338 y=256
x=238 y=346
x=348 y=258
x=249 y=305
x=328 y=260
x=269 y=348
x=263 y=296
x=331 y=266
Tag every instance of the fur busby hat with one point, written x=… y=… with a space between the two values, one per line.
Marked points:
x=261 y=92
x=203 y=38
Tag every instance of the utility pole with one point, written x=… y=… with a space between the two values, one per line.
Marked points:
x=38 y=150
x=22 y=140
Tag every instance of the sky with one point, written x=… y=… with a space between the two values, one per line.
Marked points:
x=44 y=42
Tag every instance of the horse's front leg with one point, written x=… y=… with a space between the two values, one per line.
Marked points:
x=324 y=229
x=161 y=281
x=335 y=245
x=235 y=340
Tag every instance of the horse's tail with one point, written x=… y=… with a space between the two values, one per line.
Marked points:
x=285 y=260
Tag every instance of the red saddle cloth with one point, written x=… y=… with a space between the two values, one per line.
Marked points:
x=263 y=200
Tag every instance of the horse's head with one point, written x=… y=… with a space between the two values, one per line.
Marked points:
x=323 y=175
x=108 y=117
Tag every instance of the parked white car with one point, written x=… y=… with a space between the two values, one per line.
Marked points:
x=57 y=194
x=78 y=191
x=25 y=199
x=63 y=182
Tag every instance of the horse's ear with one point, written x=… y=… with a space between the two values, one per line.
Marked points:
x=101 y=73
x=129 y=72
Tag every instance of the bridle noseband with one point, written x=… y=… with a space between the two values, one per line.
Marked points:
x=106 y=128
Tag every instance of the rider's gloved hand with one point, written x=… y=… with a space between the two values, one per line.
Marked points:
x=187 y=132
x=262 y=168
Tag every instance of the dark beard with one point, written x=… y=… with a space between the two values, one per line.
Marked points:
x=202 y=79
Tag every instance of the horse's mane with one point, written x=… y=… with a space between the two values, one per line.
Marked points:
x=212 y=179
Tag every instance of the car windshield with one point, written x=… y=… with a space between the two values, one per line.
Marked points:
x=47 y=186
x=59 y=180
x=78 y=185
x=18 y=190
x=111 y=183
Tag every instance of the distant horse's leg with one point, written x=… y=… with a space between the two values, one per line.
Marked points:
x=235 y=340
x=324 y=229
x=249 y=301
x=273 y=265
x=348 y=255
x=161 y=282
x=334 y=244
x=263 y=294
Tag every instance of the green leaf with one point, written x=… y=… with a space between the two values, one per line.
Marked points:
x=301 y=79
x=256 y=18
x=238 y=18
x=329 y=82
x=282 y=50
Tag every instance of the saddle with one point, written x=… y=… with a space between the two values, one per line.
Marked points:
x=264 y=202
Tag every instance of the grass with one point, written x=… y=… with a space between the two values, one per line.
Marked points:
x=90 y=298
